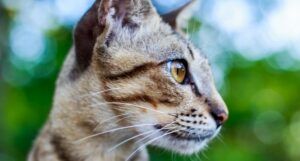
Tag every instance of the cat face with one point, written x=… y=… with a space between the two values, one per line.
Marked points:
x=155 y=76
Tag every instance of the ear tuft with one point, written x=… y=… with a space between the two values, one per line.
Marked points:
x=103 y=11
x=112 y=10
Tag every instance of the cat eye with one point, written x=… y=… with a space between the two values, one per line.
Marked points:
x=178 y=71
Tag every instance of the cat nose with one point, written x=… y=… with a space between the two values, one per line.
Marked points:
x=217 y=109
x=219 y=115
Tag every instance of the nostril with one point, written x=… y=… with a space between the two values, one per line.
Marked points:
x=219 y=116
x=222 y=117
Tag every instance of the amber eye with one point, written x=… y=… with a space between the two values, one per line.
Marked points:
x=178 y=71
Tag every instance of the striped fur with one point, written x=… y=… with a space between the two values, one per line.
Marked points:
x=127 y=75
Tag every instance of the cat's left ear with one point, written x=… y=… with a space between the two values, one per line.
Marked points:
x=172 y=17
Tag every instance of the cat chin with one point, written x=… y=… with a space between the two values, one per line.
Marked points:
x=185 y=147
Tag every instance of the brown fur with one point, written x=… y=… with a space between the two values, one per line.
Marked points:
x=119 y=66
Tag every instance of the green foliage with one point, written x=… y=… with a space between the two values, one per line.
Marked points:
x=263 y=100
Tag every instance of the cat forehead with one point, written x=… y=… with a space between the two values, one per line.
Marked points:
x=131 y=58
x=161 y=44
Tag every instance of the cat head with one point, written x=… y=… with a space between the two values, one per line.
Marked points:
x=151 y=73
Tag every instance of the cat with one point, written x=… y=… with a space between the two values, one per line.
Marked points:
x=130 y=80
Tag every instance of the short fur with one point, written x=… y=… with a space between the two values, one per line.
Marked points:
x=117 y=75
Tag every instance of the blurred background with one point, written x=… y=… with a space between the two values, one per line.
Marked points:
x=253 y=46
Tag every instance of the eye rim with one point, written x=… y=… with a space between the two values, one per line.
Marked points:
x=185 y=64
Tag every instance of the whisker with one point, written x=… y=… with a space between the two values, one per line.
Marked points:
x=157 y=131
x=152 y=132
x=104 y=121
x=109 y=119
x=172 y=155
x=116 y=121
x=123 y=118
x=203 y=154
x=152 y=140
x=123 y=142
x=113 y=130
x=219 y=137
x=198 y=156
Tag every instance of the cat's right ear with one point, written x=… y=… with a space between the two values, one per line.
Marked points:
x=85 y=35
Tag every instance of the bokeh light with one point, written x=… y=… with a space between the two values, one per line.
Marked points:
x=253 y=47
x=27 y=44
x=267 y=127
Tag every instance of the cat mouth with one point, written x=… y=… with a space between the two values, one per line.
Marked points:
x=184 y=135
x=187 y=136
x=184 y=141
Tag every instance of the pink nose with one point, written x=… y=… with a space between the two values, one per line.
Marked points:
x=219 y=115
